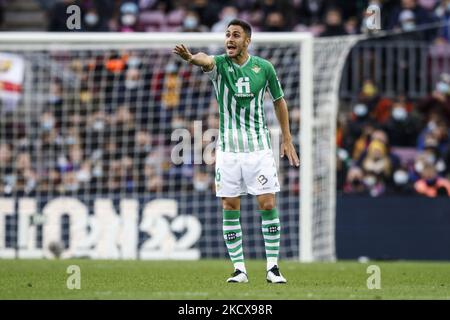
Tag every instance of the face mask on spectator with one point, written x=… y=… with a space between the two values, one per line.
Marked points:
x=70 y=140
x=443 y=87
x=128 y=19
x=97 y=171
x=53 y=98
x=201 y=185
x=91 y=19
x=83 y=176
x=431 y=125
x=408 y=25
x=48 y=124
x=133 y=62
x=440 y=166
x=190 y=22
x=98 y=125
x=370 y=181
x=401 y=177
x=171 y=68
x=399 y=113
x=360 y=110
x=131 y=84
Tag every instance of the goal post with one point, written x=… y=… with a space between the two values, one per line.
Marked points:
x=111 y=133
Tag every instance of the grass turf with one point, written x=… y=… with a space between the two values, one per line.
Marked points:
x=205 y=279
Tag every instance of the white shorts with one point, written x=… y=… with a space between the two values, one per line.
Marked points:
x=245 y=172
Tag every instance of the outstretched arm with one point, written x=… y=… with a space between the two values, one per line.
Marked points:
x=199 y=59
x=287 y=148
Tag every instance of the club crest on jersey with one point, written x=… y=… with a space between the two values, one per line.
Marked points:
x=243 y=88
x=256 y=69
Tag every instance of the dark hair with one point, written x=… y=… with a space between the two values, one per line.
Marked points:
x=245 y=25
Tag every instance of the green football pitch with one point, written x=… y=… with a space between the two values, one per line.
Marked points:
x=205 y=279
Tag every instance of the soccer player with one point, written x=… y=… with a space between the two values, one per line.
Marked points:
x=244 y=159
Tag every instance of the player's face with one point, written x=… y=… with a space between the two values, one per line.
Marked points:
x=236 y=41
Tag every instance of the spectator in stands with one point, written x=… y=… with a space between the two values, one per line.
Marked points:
x=351 y=26
x=94 y=22
x=26 y=178
x=192 y=23
x=442 y=12
x=124 y=131
x=227 y=14
x=431 y=185
x=408 y=15
x=143 y=147
x=129 y=14
x=402 y=128
x=401 y=183
x=275 y=22
x=381 y=136
x=431 y=154
x=7 y=176
x=439 y=101
x=312 y=11
x=355 y=183
x=202 y=180
x=333 y=24
x=377 y=167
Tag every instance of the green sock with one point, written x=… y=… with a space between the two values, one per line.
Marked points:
x=232 y=234
x=271 y=234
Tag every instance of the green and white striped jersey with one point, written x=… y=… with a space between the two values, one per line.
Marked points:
x=240 y=94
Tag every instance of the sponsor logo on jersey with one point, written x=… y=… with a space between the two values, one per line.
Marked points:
x=230 y=69
x=243 y=88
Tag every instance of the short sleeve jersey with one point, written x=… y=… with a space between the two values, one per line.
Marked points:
x=240 y=94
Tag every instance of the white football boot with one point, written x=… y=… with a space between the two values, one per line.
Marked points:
x=274 y=276
x=238 y=276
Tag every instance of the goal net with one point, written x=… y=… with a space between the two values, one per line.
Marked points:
x=107 y=147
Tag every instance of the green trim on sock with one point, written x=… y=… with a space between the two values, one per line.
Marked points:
x=231 y=223
x=269 y=214
x=272 y=240
x=271 y=233
x=231 y=214
x=235 y=249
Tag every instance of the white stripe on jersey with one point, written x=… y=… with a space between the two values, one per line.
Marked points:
x=262 y=132
x=243 y=131
x=226 y=118
x=251 y=120
x=234 y=125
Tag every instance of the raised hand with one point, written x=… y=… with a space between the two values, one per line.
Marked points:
x=183 y=52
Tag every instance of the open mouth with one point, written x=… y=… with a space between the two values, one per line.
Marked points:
x=231 y=46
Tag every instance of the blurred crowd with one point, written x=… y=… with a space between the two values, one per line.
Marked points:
x=396 y=146
x=321 y=17
x=108 y=116
x=110 y=131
